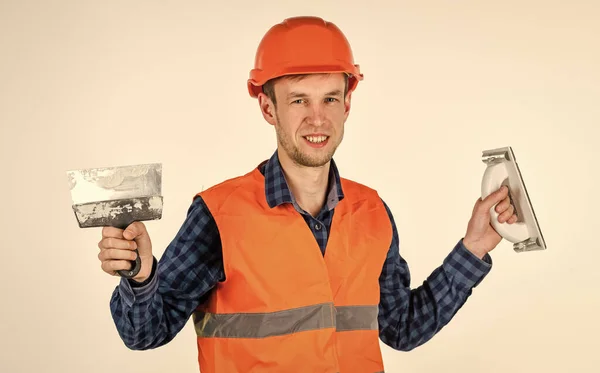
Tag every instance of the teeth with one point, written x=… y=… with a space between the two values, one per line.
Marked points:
x=316 y=139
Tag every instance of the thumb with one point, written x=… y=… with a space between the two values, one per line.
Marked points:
x=137 y=231
x=494 y=198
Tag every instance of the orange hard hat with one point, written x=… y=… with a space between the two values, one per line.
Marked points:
x=302 y=45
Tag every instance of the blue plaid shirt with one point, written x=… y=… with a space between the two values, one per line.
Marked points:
x=151 y=314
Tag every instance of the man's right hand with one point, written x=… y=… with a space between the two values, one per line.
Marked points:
x=117 y=249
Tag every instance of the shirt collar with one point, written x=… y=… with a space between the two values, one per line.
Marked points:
x=278 y=192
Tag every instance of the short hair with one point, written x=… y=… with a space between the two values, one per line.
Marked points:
x=269 y=86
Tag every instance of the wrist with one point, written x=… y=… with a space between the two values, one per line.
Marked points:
x=474 y=249
x=146 y=270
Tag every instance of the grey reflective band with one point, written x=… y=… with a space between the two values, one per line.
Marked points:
x=262 y=325
x=356 y=318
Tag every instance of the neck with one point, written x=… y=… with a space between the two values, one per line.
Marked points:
x=307 y=184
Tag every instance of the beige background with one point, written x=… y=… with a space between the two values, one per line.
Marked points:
x=99 y=83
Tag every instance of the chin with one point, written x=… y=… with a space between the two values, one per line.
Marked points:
x=313 y=160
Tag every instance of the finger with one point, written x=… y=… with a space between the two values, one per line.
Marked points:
x=494 y=198
x=503 y=205
x=116 y=243
x=112 y=232
x=506 y=214
x=513 y=219
x=112 y=266
x=137 y=231
x=116 y=254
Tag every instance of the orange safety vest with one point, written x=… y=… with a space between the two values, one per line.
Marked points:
x=284 y=307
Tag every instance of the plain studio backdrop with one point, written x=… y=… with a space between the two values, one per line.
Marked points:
x=105 y=83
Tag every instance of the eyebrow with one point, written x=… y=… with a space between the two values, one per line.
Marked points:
x=335 y=92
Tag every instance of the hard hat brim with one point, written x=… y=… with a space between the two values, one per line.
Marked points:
x=259 y=77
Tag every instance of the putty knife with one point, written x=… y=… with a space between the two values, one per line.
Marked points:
x=502 y=169
x=117 y=197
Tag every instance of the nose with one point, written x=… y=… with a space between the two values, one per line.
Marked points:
x=316 y=115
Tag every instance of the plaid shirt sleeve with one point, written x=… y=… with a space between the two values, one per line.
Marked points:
x=410 y=317
x=150 y=315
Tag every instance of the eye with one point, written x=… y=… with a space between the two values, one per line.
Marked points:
x=331 y=99
x=298 y=101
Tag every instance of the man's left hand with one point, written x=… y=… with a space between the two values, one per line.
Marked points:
x=481 y=238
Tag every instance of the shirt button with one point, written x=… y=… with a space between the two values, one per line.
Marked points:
x=318 y=227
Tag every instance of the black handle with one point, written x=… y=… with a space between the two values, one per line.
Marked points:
x=136 y=265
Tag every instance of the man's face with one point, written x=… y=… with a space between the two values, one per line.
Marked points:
x=309 y=117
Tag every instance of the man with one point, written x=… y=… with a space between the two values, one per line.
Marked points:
x=291 y=267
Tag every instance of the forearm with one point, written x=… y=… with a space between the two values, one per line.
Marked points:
x=409 y=318
x=131 y=311
x=143 y=316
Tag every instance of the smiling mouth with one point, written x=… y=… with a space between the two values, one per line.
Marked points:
x=316 y=139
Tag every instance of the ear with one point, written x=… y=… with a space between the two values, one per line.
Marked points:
x=267 y=108
x=347 y=104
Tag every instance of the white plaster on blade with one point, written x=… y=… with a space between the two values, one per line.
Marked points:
x=110 y=210
x=101 y=210
x=101 y=184
x=155 y=203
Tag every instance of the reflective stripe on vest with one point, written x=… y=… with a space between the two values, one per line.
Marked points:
x=262 y=325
